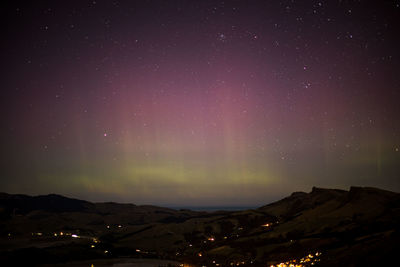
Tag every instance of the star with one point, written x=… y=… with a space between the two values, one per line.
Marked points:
x=221 y=37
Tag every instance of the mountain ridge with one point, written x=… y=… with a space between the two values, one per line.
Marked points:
x=54 y=197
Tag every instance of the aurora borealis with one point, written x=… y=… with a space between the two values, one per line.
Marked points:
x=199 y=102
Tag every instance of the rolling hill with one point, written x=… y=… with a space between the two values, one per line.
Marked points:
x=326 y=227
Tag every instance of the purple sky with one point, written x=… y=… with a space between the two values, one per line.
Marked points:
x=199 y=102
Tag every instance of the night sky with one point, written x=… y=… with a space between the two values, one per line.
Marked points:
x=194 y=103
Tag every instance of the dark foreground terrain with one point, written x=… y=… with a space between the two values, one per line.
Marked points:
x=325 y=227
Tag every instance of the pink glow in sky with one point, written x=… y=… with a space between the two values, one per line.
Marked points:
x=208 y=103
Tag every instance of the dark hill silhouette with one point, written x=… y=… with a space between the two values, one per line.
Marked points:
x=359 y=227
x=300 y=201
x=23 y=204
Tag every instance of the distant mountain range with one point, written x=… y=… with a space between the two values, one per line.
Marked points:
x=326 y=227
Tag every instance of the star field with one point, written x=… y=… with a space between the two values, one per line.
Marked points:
x=199 y=102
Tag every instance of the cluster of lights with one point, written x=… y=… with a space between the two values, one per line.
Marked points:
x=61 y=234
x=58 y=234
x=310 y=259
x=95 y=241
x=109 y=227
x=237 y=263
x=216 y=264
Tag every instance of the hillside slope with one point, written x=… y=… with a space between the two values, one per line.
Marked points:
x=326 y=227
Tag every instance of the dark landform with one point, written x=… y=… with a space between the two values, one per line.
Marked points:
x=326 y=227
